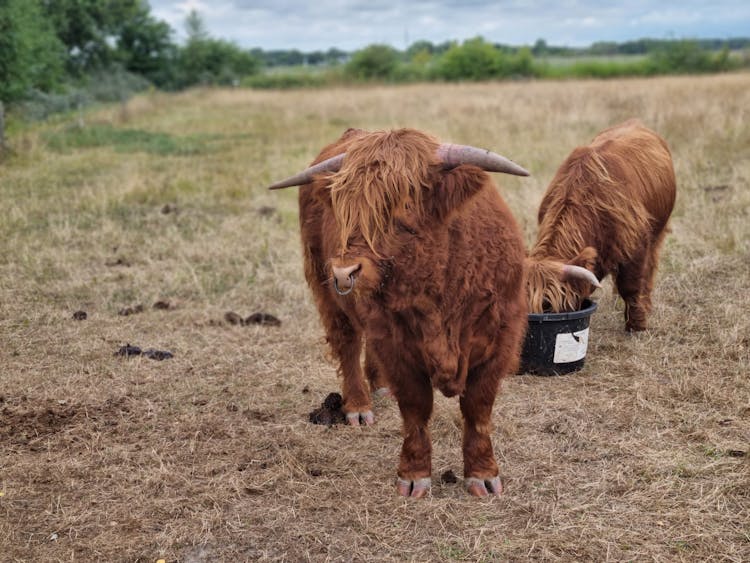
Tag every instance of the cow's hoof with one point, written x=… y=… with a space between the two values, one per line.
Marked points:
x=415 y=489
x=357 y=418
x=479 y=487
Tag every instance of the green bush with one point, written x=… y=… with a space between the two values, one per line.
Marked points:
x=521 y=63
x=682 y=57
x=291 y=79
x=39 y=105
x=214 y=62
x=374 y=62
x=110 y=85
x=595 y=69
x=476 y=59
x=473 y=60
x=114 y=84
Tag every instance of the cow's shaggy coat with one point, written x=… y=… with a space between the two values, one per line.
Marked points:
x=438 y=297
x=607 y=210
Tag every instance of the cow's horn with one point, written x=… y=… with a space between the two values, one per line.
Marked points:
x=577 y=272
x=330 y=165
x=449 y=154
x=452 y=155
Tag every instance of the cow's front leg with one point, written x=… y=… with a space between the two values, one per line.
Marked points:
x=346 y=343
x=414 y=395
x=356 y=394
x=481 y=475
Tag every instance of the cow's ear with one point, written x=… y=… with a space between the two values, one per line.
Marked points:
x=352 y=133
x=585 y=259
x=456 y=187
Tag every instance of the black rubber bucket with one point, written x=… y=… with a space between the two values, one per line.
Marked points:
x=556 y=343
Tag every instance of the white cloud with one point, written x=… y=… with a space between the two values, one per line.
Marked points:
x=287 y=24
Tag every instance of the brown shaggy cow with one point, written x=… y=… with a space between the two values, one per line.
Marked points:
x=606 y=210
x=413 y=250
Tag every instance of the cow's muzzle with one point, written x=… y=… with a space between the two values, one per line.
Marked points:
x=344 y=278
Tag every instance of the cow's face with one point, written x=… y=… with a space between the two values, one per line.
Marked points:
x=364 y=266
x=555 y=287
x=375 y=204
x=381 y=193
x=546 y=290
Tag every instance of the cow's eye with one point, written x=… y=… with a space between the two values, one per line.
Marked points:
x=401 y=226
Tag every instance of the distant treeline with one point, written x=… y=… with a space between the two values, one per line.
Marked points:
x=478 y=59
x=58 y=55
x=637 y=47
x=295 y=57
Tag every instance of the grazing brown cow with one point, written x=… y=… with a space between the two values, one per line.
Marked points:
x=408 y=245
x=605 y=212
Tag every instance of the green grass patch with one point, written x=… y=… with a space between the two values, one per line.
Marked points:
x=126 y=140
x=172 y=190
x=596 y=69
x=292 y=78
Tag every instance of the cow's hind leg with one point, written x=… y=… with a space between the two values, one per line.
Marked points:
x=375 y=373
x=635 y=282
x=481 y=474
x=651 y=264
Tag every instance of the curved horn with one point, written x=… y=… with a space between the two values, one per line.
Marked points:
x=452 y=155
x=577 y=272
x=449 y=154
x=330 y=165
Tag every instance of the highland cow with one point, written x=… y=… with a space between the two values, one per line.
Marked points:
x=605 y=212
x=409 y=247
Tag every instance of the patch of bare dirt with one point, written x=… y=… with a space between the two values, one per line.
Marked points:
x=26 y=422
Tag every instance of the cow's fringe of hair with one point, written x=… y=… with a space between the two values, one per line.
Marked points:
x=547 y=293
x=386 y=172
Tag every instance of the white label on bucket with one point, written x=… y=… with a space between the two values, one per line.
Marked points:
x=571 y=346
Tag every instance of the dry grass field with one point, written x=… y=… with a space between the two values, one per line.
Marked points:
x=209 y=455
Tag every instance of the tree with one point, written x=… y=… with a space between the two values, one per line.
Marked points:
x=335 y=56
x=31 y=56
x=2 y=128
x=419 y=48
x=214 y=61
x=195 y=27
x=145 y=47
x=205 y=60
x=475 y=59
x=685 y=56
x=373 y=62
x=90 y=29
x=519 y=64
x=540 y=48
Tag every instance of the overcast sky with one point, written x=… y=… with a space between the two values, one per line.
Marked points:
x=353 y=24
